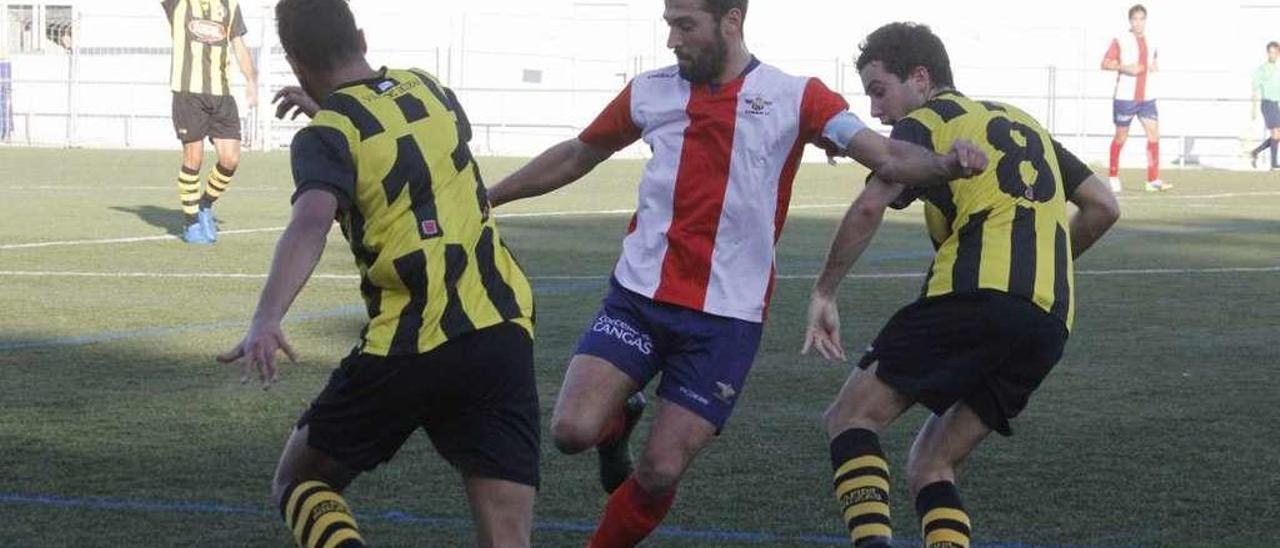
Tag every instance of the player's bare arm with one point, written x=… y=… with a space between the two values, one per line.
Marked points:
x=913 y=165
x=295 y=258
x=1114 y=65
x=556 y=167
x=859 y=225
x=1097 y=210
x=245 y=61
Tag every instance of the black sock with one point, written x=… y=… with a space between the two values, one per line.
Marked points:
x=1264 y=146
x=943 y=521
x=862 y=486
x=219 y=181
x=189 y=193
x=318 y=517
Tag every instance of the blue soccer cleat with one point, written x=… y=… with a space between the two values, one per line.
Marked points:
x=194 y=234
x=208 y=224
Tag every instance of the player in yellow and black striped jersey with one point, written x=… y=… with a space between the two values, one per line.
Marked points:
x=205 y=34
x=997 y=304
x=449 y=343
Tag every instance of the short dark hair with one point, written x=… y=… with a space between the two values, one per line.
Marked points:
x=1137 y=8
x=901 y=47
x=719 y=8
x=1272 y=44
x=318 y=34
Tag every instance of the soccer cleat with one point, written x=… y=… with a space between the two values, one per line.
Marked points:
x=208 y=224
x=1115 y=185
x=615 y=457
x=194 y=234
x=1157 y=186
x=1253 y=160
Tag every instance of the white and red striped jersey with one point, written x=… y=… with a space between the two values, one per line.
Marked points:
x=714 y=196
x=1130 y=49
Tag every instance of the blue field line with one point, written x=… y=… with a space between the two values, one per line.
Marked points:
x=399 y=517
x=558 y=287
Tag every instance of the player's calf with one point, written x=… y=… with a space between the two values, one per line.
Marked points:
x=614 y=448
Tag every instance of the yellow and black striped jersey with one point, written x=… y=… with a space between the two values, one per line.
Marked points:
x=1007 y=228
x=202 y=31
x=394 y=151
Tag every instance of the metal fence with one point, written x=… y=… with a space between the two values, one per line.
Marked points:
x=63 y=94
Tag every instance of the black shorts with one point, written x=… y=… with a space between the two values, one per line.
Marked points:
x=988 y=349
x=196 y=116
x=1271 y=114
x=475 y=396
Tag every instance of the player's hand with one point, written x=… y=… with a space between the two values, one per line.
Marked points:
x=967 y=159
x=251 y=96
x=295 y=99
x=823 y=331
x=258 y=352
x=1134 y=69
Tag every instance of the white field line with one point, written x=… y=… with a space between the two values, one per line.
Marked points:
x=1173 y=195
x=167 y=237
x=113 y=188
x=353 y=277
x=162 y=238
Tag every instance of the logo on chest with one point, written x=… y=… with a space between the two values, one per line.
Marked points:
x=758 y=105
x=208 y=29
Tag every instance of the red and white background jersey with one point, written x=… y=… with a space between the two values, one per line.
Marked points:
x=714 y=196
x=1130 y=49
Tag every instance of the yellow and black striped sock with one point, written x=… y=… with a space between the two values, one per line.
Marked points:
x=318 y=517
x=943 y=521
x=219 y=181
x=862 y=487
x=189 y=193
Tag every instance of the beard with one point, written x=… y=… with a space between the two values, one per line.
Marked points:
x=707 y=65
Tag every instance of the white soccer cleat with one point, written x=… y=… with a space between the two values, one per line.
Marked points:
x=1115 y=185
x=1157 y=186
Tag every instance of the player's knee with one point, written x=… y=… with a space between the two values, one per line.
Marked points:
x=192 y=160
x=230 y=160
x=923 y=470
x=572 y=436
x=659 y=472
x=505 y=535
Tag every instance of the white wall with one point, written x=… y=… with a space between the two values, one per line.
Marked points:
x=586 y=48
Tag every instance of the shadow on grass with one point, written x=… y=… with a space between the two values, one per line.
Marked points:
x=166 y=218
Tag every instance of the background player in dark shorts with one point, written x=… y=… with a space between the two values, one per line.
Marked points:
x=206 y=33
x=1266 y=92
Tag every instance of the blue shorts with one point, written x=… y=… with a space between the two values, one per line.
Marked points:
x=1124 y=111
x=1271 y=114
x=704 y=359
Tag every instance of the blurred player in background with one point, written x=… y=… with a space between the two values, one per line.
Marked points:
x=997 y=304
x=1133 y=57
x=205 y=34
x=449 y=343
x=1266 y=87
x=687 y=298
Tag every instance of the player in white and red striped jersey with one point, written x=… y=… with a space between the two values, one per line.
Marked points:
x=1134 y=57
x=688 y=295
